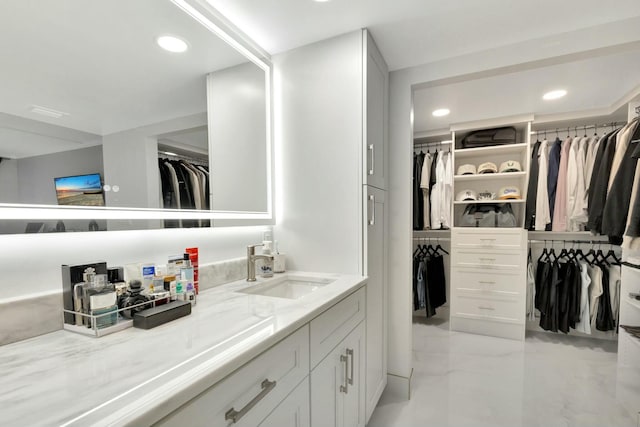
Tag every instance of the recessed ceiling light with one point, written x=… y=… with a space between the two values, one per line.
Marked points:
x=554 y=94
x=441 y=112
x=172 y=44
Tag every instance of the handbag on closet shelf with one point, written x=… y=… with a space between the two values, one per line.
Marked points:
x=489 y=137
x=489 y=215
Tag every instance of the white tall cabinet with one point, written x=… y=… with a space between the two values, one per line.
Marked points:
x=375 y=231
x=331 y=116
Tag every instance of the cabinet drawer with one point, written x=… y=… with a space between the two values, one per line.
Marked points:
x=329 y=328
x=491 y=282
x=286 y=364
x=478 y=306
x=491 y=259
x=493 y=239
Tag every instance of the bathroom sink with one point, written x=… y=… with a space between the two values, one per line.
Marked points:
x=291 y=287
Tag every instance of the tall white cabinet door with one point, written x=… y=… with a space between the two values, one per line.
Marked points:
x=293 y=411
x=337 y=384
x=354 y=398
x=328 y=380
x=376 y=270
x=376 y=103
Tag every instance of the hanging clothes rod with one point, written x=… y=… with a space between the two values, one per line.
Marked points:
x=431 y=143
x=425 y=239
x=564 y=242
x=165 y=154
x=568 y=129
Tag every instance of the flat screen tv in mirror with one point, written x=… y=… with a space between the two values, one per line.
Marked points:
x=79 y=190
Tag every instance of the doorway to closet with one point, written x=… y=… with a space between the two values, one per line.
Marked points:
x=515 y=100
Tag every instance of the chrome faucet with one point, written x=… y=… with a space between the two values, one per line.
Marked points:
x=251 y=261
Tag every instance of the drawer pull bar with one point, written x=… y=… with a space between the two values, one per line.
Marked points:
x=488 y=240
x=350 y=355
x=486 y=308
x=345 y=387
x=487 y=259
x=486 y=283
x=235 y=416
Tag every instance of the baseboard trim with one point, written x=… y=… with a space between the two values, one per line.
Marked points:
x=399 y=387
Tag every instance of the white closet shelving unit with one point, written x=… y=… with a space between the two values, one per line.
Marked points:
x=488 y=265
x=628 y=384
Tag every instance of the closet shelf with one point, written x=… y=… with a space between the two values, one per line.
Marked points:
x=484 y=202
x=490 y=176
x=499 y=149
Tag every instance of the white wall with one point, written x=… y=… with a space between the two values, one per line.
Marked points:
x=31 y=262
x=318 y=123
x=604 y=39
x=236 y=104
x=9 y=181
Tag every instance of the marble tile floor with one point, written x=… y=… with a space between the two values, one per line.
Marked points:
x=471 y=380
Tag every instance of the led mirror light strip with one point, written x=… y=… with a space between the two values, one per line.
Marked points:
x=20 y=212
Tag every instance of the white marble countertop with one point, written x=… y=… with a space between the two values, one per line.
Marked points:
x=135 y=376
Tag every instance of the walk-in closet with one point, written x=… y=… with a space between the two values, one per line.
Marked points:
x=532 y=209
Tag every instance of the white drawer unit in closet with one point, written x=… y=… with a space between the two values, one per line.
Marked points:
x=488 y=281
x=250 y=394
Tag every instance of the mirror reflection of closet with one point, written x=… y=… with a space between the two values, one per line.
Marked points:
x=89 y=96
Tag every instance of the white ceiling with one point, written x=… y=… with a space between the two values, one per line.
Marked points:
x=592 y=84
x=414 y=32
x=98 y=61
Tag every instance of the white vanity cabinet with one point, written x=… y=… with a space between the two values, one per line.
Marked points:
x=337 y=384
x=317 y=371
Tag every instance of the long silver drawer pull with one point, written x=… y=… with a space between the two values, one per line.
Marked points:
x=486 y=308
x=486 y=283
x=487 y=259
x=234 y=415
x=372 y=199
x=488 y=240
x=373 y=159
x=345 y=387
x=350 y=354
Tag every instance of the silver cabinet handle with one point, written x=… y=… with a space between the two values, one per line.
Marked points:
x=486 y=283
x=235 y=416
x=487 y=259
x=486 y=308
x=350 y=354
x=373 y=159
x=372 y=208
x=487 y=240
x=345 y=387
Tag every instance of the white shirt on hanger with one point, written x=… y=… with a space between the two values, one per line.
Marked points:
x=595 y=291
x=424 y=185
x=445 y=208
x=437 y=193
x=584 y=325
x=576 y=208
x=543 y=213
